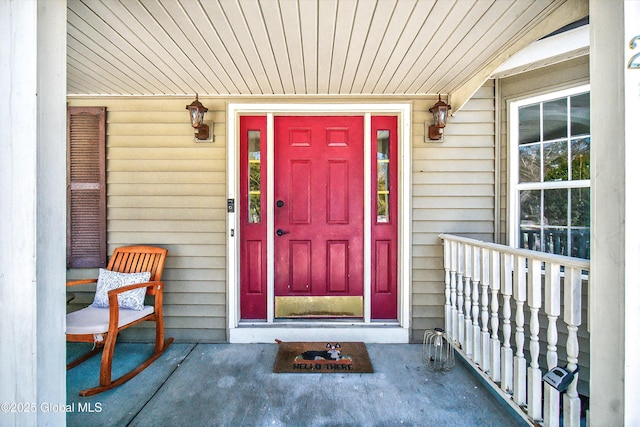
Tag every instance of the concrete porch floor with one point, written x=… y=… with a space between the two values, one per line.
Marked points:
x=233 y=385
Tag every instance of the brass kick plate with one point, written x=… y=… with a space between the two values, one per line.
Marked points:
x=315 y=307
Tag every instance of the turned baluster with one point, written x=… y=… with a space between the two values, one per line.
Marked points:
x=495 y=322
x=573 y=318
x=475 y=307
x=551 y=408
x=507 y=351
x=519 y=362
x=534 y=374
x=468 y=344
x=485 y=336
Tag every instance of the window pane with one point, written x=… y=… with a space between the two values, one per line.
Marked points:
x=555 y=241
x=530 y=220
x=530 y=238
x=555 y=161
x=530 y=163
x=383 y=145
x=529 y=124
x=580 y=207
x=254 y=208
x=254 y=176
x=580 y=121
x=530 y=207
x=580 y=159
x=383 y=207
x=383 y=176
x=254 y=145
x=556 y=203
x=554 y=119
x=581 y=243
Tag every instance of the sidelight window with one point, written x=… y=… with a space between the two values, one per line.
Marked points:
x=254 y=176
x=383 y=191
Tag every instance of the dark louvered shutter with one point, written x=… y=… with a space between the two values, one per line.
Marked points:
x=86 y=187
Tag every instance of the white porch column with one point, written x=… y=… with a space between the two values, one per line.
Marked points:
x=614 y=303
x=32 y=209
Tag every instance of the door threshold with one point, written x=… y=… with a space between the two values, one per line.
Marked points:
x=319 y=331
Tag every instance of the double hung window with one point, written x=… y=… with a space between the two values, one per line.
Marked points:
x=550 y=139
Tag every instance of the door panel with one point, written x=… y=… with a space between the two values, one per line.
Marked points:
x=319 y=175
x=300 y=266
x=299 y=192
x=338 y=192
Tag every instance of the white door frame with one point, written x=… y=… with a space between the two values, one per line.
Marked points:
x=334 y=330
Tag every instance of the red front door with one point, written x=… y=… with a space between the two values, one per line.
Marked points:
x=318 y=217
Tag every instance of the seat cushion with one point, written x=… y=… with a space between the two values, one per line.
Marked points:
x=109 y=280
x=94 y=320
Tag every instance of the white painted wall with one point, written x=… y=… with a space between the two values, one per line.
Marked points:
x=614 y=289
x=632 y=207
x=32 y=209
x=51 y=208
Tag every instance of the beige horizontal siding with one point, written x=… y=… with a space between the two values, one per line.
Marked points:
x=453 y=192
x=167 y=190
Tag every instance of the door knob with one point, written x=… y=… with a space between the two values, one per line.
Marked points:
x=281 y=232
x=279 y=203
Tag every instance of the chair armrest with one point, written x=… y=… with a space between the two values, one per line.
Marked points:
x=113 y=294
x=81 y=282
x=113 y=300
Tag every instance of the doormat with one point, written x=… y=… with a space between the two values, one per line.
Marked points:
x=322 y=358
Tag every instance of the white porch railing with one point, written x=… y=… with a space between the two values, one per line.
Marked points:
x=485 y=285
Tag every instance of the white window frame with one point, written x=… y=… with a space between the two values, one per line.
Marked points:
x=514 y=161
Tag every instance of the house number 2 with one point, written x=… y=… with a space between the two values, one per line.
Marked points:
x=634 y=62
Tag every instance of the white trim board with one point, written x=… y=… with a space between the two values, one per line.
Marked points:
x=561 y=47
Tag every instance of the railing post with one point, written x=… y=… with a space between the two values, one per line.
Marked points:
x=534 y=374
x=468 y=344
x=573 y=318
x=519 y=362
x=495 y=322
x=460 y=294
x=507 y=351
x=447 y=286
x=485 y=337
x=475 y=310
x=551 y=410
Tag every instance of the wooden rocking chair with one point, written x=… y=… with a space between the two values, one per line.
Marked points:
x=101 y=325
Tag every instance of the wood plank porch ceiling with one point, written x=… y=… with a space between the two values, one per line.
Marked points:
x=292 y=47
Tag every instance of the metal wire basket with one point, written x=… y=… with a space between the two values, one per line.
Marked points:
x=437 y=351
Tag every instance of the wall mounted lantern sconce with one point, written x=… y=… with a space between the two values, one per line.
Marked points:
x=196 y=112
x=440 y=111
